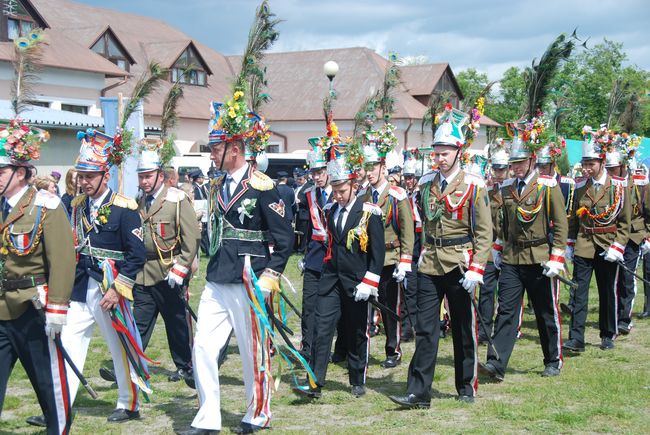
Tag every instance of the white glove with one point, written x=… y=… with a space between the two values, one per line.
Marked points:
x=614 y=253
x=470 y=279
x=176 y=275
x=568 y=253
x=645 y=247
x=363 y=292
x=301 y=266
x=400 y=271
x=51 y=329
x=497 y=255
x=553 y=268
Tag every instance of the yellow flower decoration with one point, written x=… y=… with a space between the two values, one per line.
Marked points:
x=4 y=251
x=238 y=95
x=231 y=112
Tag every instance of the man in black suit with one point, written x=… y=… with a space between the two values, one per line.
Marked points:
x=350 y=276
x=302 y=213
x=287 y=195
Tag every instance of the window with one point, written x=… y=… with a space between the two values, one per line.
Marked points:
x=19 y=22
x=75 y=108
x=275 y=148
x=197 y=76
x=109 y=47
x=40 y=103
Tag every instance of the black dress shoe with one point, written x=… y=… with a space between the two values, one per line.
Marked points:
x=411 y=401
x=37 y=420
x=465 y=398
x=606 y=343
x=307 y=391
x=107 y=374
x=550 y=371
x=491 y=371
x=565 y=309
x=644 y=315
x=120 y=415
x=391 y=362
x=358 y=390
x=197 y=431
x=624 y=328
x=247 y=428
x=573 y=346
x=181 y=374
x=336 y=358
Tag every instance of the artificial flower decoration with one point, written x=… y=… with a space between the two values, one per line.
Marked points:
x=22 y=143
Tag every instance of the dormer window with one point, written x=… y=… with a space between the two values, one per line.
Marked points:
x=198 y=76
x=17 y=19
x=109 y=47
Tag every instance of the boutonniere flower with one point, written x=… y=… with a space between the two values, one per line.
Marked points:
x=246 y=209
x=3 y=250
x=102 y=215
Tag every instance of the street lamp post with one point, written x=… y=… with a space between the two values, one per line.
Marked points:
x=330 y=69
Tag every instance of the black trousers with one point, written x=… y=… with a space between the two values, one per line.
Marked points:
x=390 y=296
x=646 y=287
x=307 y=322
x=431 y=290
x=487 y=293
x=606 y=277
x=24 y=339
x=205 y=241
x=410 y=298
x=543 y=293
x=148 y=302
x=627 y=283
x=302 y=225
x=334 y=304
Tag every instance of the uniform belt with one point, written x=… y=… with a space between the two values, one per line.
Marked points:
x=248 y=235
x=102 y=254
x=599 y=230
x=521 y=244
x=15 y=284
x=442 y=243
x=393 y=245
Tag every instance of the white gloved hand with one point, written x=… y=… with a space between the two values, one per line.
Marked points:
x=176 y=275
x=568 y=253
x=614 y=254
x=645 y=247
x=363 y=292
x=553 y=268
x=301 y=266
x=51 y=329
x=400 y=271
x=470 y=279
x=497 y=253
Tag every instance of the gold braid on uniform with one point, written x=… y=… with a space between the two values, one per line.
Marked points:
x=158 y=239
x=359 y=232
x=29 y=245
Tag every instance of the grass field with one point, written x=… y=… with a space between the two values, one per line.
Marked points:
x=596 y=392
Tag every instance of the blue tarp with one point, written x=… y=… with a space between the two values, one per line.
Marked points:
x=574 y=149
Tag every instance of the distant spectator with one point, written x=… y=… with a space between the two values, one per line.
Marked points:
x=170 y=177
x=57 y=177
x=71 y=190
x=45 y=182
x=287 y=195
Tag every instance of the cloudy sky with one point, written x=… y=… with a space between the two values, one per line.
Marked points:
x=489 y=35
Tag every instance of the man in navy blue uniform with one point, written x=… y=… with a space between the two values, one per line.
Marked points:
x=111 y=252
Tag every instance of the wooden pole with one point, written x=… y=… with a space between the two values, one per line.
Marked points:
x=120 y=115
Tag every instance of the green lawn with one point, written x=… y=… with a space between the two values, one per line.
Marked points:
x=597 y=391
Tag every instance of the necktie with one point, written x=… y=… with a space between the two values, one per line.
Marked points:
x=375 y=196
x=6 y=209
x=148 y=201
x=226 y=189
x=596 y=187
x=521 y=186
x=339 y=221
x=443 y=186
x=323 y=196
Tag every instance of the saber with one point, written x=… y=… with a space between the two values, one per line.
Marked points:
x=375 y=303
x=487 y=333
x=633 y=273
x=563 y=280
x=291 y=305
x=188 y=307
x=59 y=345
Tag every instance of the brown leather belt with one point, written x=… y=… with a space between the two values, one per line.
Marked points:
x=393 y=245
x=442 y=243
x=522 y=244
x=15 y=284
x=599 y=230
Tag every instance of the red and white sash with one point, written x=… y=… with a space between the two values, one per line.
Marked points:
x=319 y=232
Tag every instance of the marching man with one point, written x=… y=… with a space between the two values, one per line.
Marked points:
x=599 y=229
x=35 y=265
x=399 y=234
x=457 y=236
x=246 y=215
x=530 y=249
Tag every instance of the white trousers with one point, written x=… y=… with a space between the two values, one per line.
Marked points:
x=76 y=335
x=224 y=307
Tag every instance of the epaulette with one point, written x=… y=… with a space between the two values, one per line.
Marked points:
x=640 y=180
x=174 y=195
x=215 y=181
x=328 y=206
x=78 y=200
x=372 y=208
x=619 y=181
x=474 y=179
x=124 y=202
x=567 y=180
x=362 y=192
x=581 y=183
x=546 y=180
x=260 y=181
x=397 y=192
x=309 y=189
x=508 y=182
x=427 y=177
x=47 y=199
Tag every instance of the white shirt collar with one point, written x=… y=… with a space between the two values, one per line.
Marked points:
x=97 y=202
x=157 y=192
x=350 y=204
x=16 y=197
x=381 y=188
x=239 y=174
x=601 y=180
x=528 y=178
x=450 y=177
